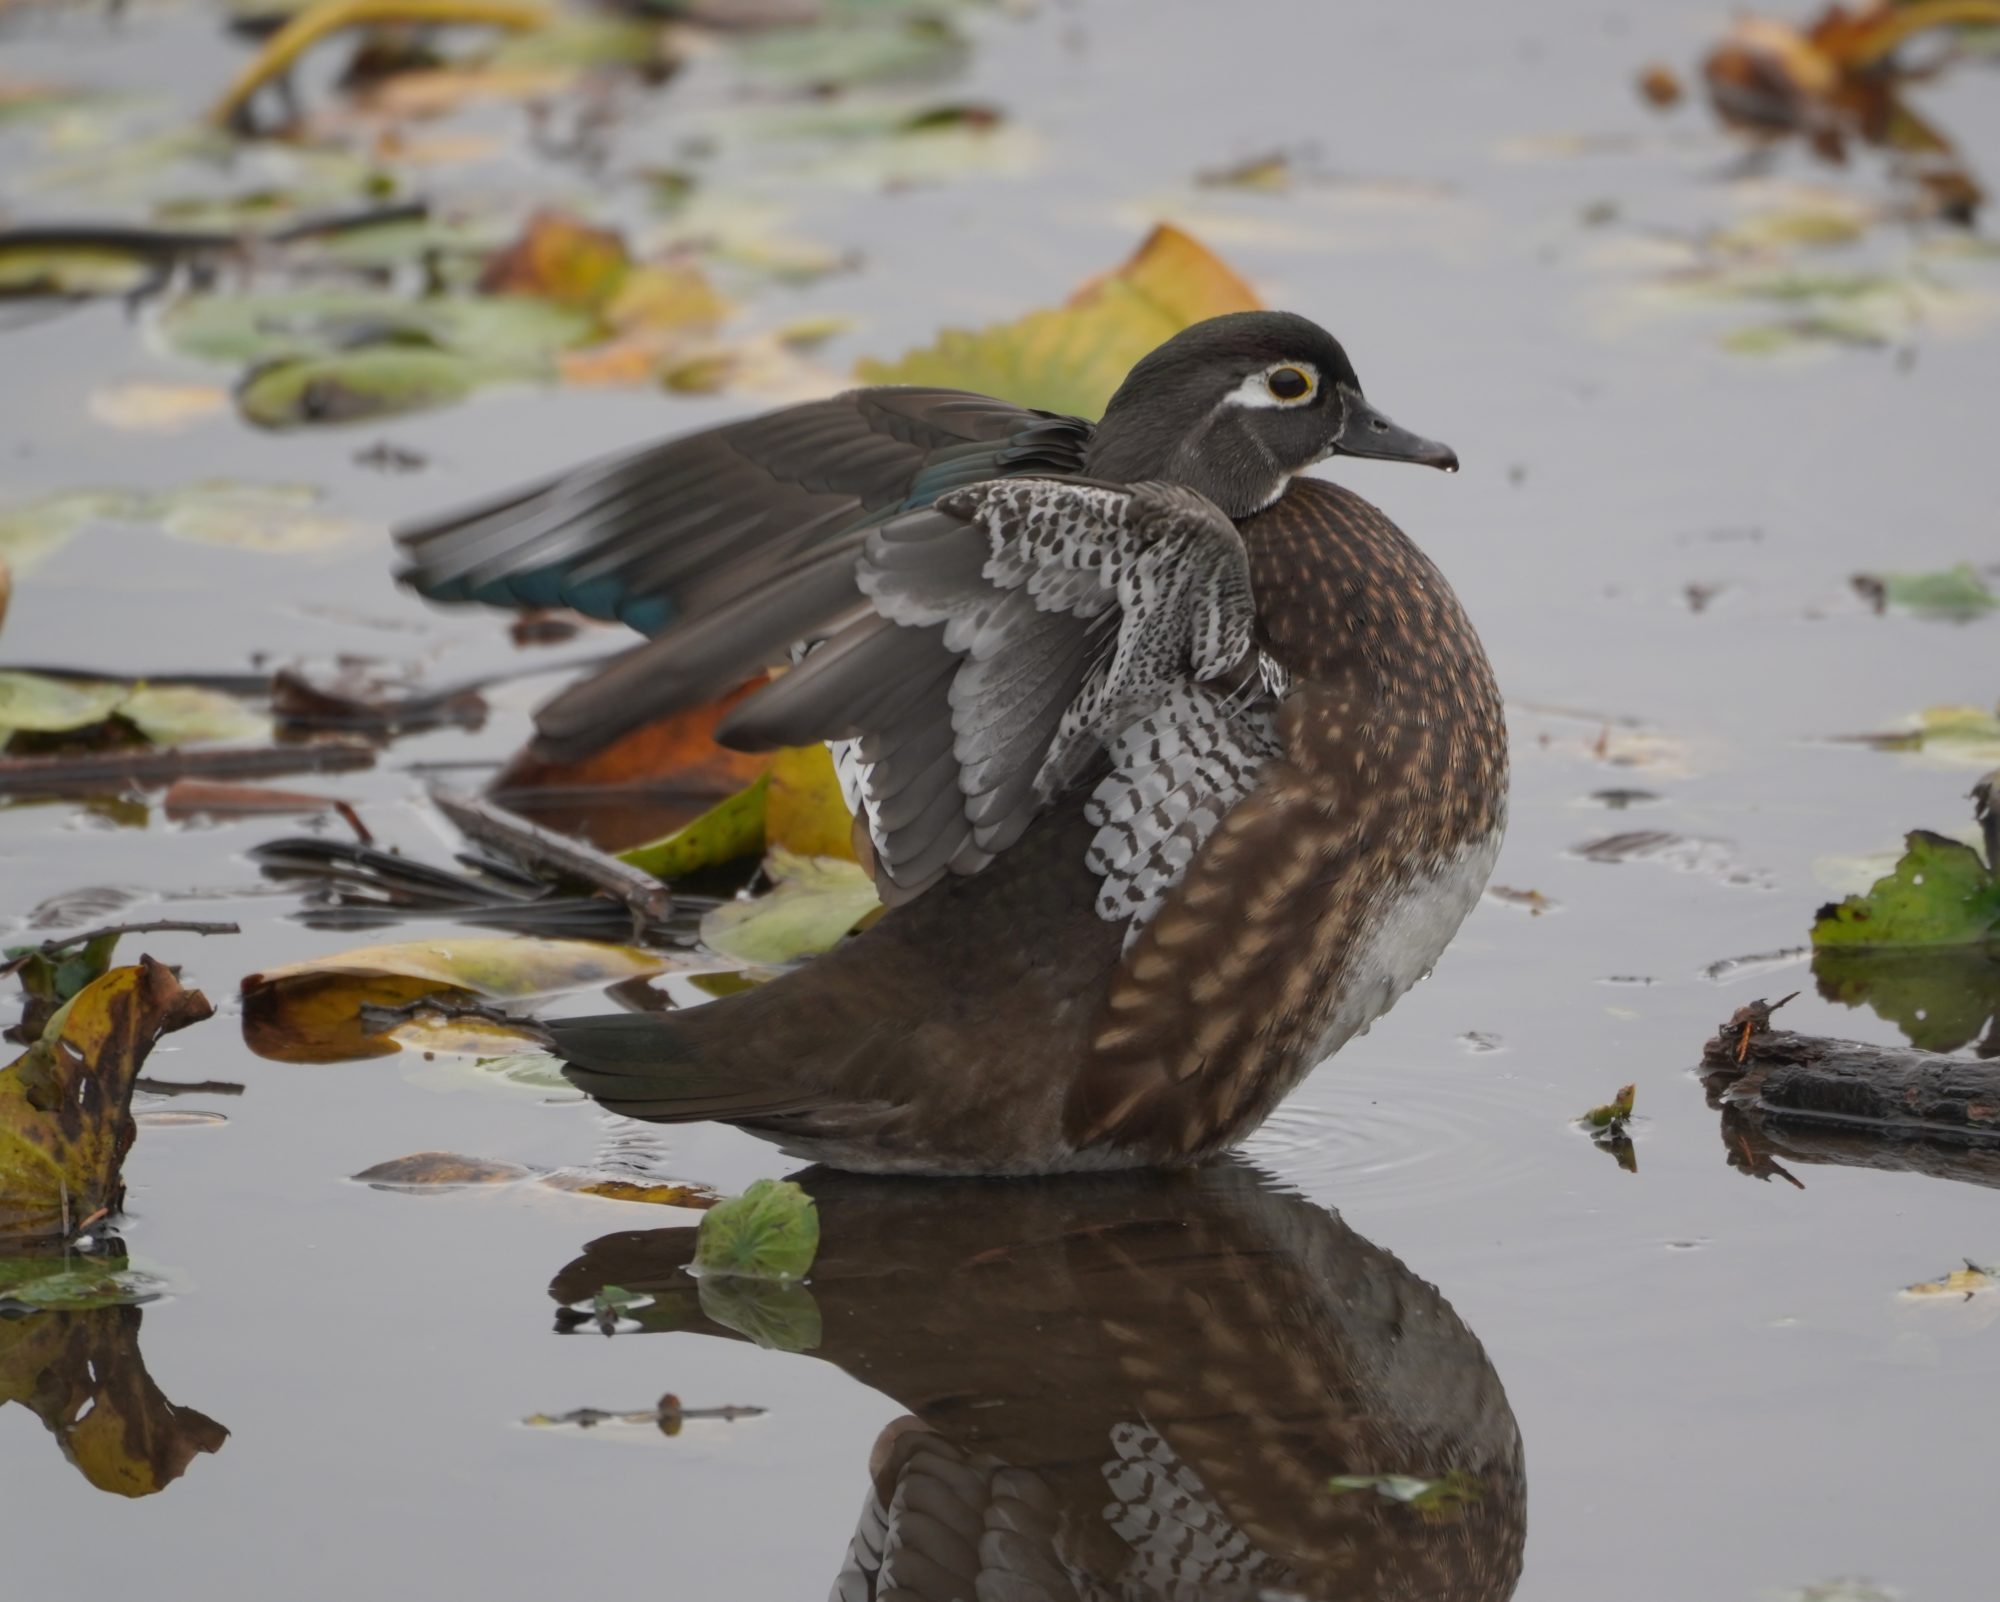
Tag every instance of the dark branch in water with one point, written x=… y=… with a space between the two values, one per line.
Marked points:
x=542 y=849
x=62 y=943
x=101 y=770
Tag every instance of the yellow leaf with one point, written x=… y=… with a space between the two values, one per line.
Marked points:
x=1073 y=358
x=805 y=812
x=562 y=259
x=325 y=17
x=727 y=832
x=66 y=1102
x=157 y=408
x=495 y=967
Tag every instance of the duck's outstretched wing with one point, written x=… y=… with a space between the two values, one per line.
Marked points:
x=1012 y=639
x=673 y=534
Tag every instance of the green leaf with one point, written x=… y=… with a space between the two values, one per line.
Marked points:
x=355 y=386
x=1956 y=592
x=71 y=270
x=817 y=900
x=506 y=331
x=34 y=529
x=182 y=714
x=1614 y=1112
x=731 y=829
x=771 y=1231
x=33 y=704
x=1941 y=894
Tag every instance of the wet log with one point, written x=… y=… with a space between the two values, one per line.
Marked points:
x=1814 y=1099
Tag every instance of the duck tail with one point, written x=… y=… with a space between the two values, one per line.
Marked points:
x=678 y=1067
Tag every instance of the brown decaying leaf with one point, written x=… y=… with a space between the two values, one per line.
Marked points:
x=680 y=751
x=440 y=1170
x=83 y=1375
x=1836 y=82
x=66 y=1102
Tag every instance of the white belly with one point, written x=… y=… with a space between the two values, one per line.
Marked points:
x=1404 y=945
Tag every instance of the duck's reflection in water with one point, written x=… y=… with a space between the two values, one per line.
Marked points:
x=1136 y=1387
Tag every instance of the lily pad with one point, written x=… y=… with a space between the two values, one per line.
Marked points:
x=358 y=385
x=1942 y=893
x=771 y=1231
x=816 y=901
x=1941 y=1000
x=1956 y=592
x=32 y=703
x=516 y=333
x=1071 y=359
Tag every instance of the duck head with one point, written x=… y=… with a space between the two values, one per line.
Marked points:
x=1237 y=405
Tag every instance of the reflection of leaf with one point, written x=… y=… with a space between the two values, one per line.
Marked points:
x=778 y=1315
x=1940 y=894
x=66 y=1103
x=83 y=1375
x=816 y=901
x=1072 y=358
x=1940 y=1000
x=771 y=1231
x=73 y=1282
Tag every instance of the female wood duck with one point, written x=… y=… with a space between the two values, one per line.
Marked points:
x=1176 y=770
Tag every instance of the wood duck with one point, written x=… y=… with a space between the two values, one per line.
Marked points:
x=1176 y=769
x=1139 y=1387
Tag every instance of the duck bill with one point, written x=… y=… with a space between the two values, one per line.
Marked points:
x=1368 y=433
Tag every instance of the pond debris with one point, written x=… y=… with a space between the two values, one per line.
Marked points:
x=351 y=886
x=442 y=1171
x=558 y=857
x=1960 y=735
x=1809 y=1098
x=274 y=62
x=1957 y=594
x=1606 y=1126
x=89 y=772
x=1532 y=902
x=1840 y=80
x=609 y=1308
x=54 y=971
x=667 y=1415
x=66 y=1102
x=1708 y=857
x=1960 y=1283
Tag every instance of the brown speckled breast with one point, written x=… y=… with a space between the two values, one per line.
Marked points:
x=1395 y=770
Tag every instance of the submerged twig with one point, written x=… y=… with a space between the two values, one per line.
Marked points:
x=540 y=848
x=55 y=947
x=98 y=770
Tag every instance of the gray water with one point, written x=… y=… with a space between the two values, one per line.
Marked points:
x=1718 y=1392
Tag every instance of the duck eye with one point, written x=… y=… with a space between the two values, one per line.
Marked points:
x=1288 y=383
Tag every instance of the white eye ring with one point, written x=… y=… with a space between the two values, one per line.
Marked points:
x=1256 y=391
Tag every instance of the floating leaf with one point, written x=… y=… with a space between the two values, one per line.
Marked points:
x=560 y=258
x=65 y=1103
x=499 y=969
x=1961 y=1283
x=315 y=1011
x=615 y=1187
x=185 y=714
x=1073 y=358
x=805 y=812
x=315 y=22
x=32 y=703
x=281 y=519
x=29 y=271
x=1614 y=1113
x=867 y=44
x=815 y=902
x=771 y=1231
x=357 y=386
x=1956 y=592
x=727 y=832
x=157 y=408
x=440 y=1170
x=1941 y=894
x=510 y=333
